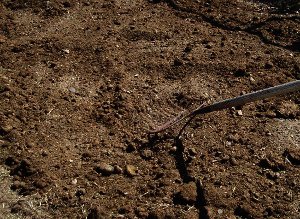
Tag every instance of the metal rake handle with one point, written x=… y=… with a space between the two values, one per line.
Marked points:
x=233 y=102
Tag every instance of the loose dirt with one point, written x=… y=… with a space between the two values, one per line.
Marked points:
x=82 y=83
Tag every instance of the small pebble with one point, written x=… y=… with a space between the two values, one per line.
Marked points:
x=118 y=169
x=74 y=181
x=67 y=51
x=72 y=90
x=192 y=151
x=131 y=170
x=239 y=112
x=104 y=168
x=228 y=143
x=220 y=211
x=173 y=149
x=233 y=161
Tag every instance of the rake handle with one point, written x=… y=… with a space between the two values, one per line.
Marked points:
x=251 y=97
x=233 y=102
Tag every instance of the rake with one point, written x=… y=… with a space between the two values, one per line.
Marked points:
x=228 y=103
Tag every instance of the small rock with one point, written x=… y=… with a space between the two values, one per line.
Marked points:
x=228 y=143
x=239 y=112
x=104 y=169
x=192 y=151
x=173 y=149
x=72 y=89
x=220 y=211
x=131 y=170
x=67 y=51
x=233 y=161
x=74 y=181
x=118 y=169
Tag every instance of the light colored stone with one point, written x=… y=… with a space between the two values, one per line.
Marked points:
x=104 y=168
x=131 y=170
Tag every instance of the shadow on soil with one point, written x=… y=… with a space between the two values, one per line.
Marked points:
x=186 y=178
x=181 y=165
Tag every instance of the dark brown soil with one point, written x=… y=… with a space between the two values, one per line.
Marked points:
x=82 y=82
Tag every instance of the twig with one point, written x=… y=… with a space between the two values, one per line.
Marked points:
x=233 y=102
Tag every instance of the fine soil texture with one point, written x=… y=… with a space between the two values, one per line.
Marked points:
x=82 y=82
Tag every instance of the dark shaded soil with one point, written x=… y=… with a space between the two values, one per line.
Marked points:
x=82 y=82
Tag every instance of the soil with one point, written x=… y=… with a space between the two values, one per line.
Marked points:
x=82 y=83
